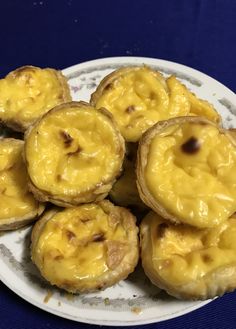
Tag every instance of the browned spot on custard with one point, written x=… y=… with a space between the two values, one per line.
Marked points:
x=58 y=178
x=108 y=86
x=152 y=95
x=130 y=109
x=4 y=190
x=70 y=235
x=59 y=257
x=66 y=138
x=161 y=230
x=77 y=151
x=99 y=237
x=192 y=146
x=85 y=220
x=206 y=258
x=60 y=97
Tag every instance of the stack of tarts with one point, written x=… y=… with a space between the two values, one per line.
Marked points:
x=145 y=143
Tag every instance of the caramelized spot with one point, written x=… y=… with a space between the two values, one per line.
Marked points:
x=152 y=95
x=70 y=235
x=66 y=138
x=4 y=190
x=58 y=178
x=108 y=86
x=59 y=257
x=77 y=151
x=85 y=220
x=130 y=109
x=60 y=97
x=206 y=258
x=161 y=230
x=100 y=286
x=99 y=237
x=82 y=260
x=191 y=146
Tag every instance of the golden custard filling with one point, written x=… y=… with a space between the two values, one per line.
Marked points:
x=191 y=171
x=140 y=97
x=180 y=254
x=15 y=198
x=28 y=93
x=80 y=244
x=73 y=150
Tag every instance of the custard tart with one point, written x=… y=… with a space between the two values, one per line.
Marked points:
x=124 y=192
x=17 y=205
x=184 y=103
x=188 y=262
x=73 y=154
x=86 y=248
x=186 y=171
x=29 y=92
x=138 y=97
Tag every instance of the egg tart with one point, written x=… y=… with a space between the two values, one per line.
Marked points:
x=86 y=248
x=138 y=97
x=17 y=205
x=186 y=171
x=73 y=154
x=185 y=103
x=124 y=192
x=188 y=262
x=29 y=92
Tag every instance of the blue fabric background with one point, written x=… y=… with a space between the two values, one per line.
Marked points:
x=197 y=33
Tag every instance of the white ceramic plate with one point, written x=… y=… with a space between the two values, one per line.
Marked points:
x=133 y=301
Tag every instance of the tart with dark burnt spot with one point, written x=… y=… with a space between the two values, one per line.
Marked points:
x=186 y=171
x=86 y=248
x=73 y=154
x=29 y=92
x=17 y=205
x=188 y=262
x=138 y=97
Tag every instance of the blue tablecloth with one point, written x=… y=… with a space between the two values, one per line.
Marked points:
x=197 y=33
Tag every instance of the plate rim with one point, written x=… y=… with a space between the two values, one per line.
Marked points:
x=125 y=60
